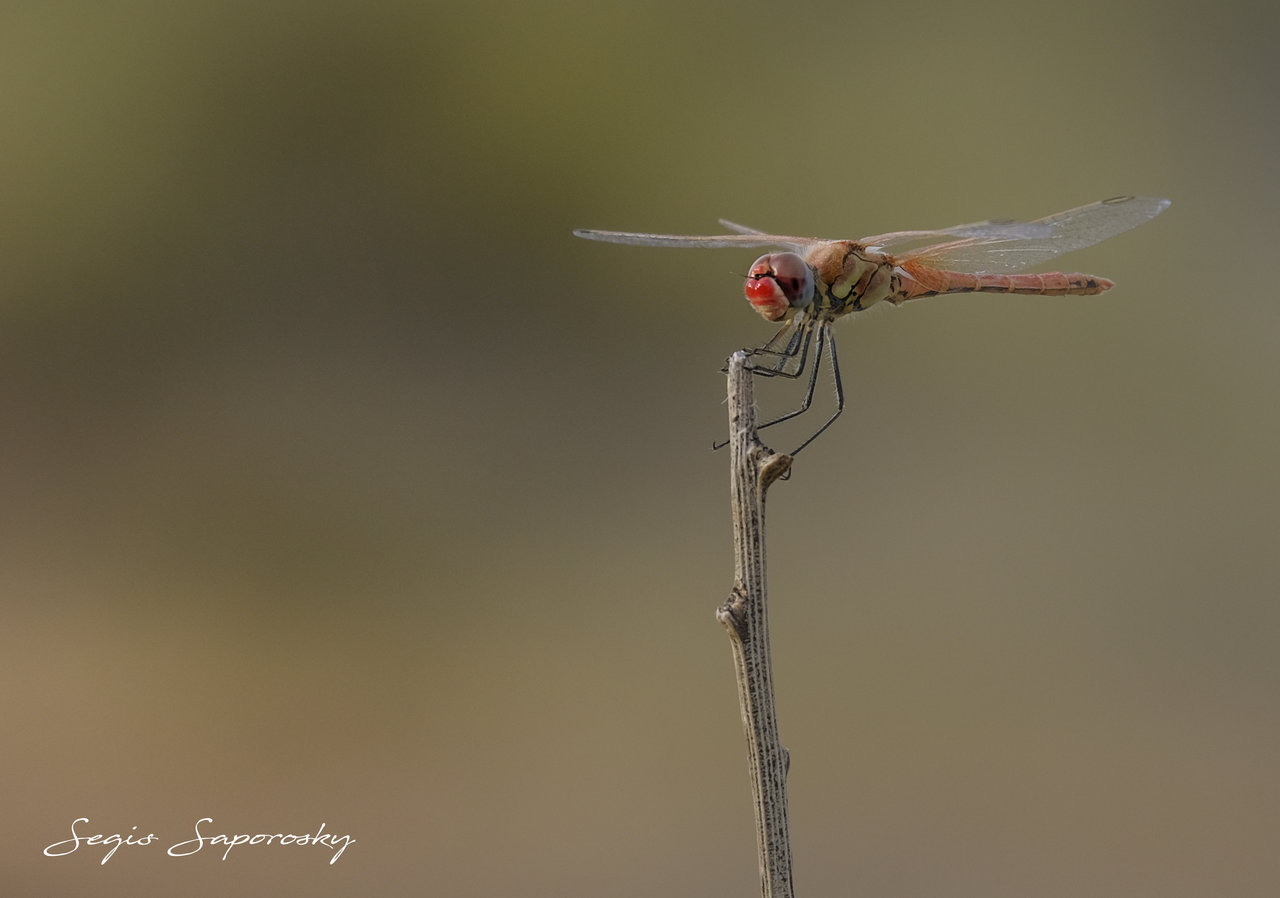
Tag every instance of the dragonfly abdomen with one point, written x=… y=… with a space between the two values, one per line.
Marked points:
x=914 y=284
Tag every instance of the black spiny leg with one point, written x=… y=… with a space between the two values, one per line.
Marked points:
x=830 y=338
x=813 y=382
x=798 y=339
x=795 y=349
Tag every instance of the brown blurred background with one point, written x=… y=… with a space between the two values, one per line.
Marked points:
x=341 y=484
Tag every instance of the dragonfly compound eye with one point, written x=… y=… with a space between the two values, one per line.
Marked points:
x=778 y=283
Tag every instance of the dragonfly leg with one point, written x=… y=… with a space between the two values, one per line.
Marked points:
x=797 y=347
x=830 y=339
x=783 y=346
x=789 y=356
x=776 y=344
x=813 y=383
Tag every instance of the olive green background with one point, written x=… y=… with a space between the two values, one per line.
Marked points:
x=342 y=484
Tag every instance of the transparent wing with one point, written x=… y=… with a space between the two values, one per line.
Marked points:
x=748 y=237
x=739 y=228
x=1066 y=231
x=999 y=230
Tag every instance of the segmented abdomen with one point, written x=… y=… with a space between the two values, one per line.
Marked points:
x=913 y=283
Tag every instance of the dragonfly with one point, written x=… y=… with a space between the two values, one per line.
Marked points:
x=812 y=283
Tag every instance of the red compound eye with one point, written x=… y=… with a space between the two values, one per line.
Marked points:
x=778 y=283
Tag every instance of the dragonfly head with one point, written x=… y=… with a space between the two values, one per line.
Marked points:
x=779 y=283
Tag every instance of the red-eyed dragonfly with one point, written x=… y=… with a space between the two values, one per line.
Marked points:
x=817 y=281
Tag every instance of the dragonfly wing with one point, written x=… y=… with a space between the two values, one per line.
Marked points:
x=750 y=238
x=743 y=229
x=1066 y=232
x=999 y=230
x=739 y=228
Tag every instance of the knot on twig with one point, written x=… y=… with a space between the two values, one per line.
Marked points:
x=733 y=613
x=774 y=466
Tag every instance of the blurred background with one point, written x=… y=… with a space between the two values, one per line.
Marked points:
x=342 y=484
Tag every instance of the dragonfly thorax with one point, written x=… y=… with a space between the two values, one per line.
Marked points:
x=778 y=284
x=850 y=279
